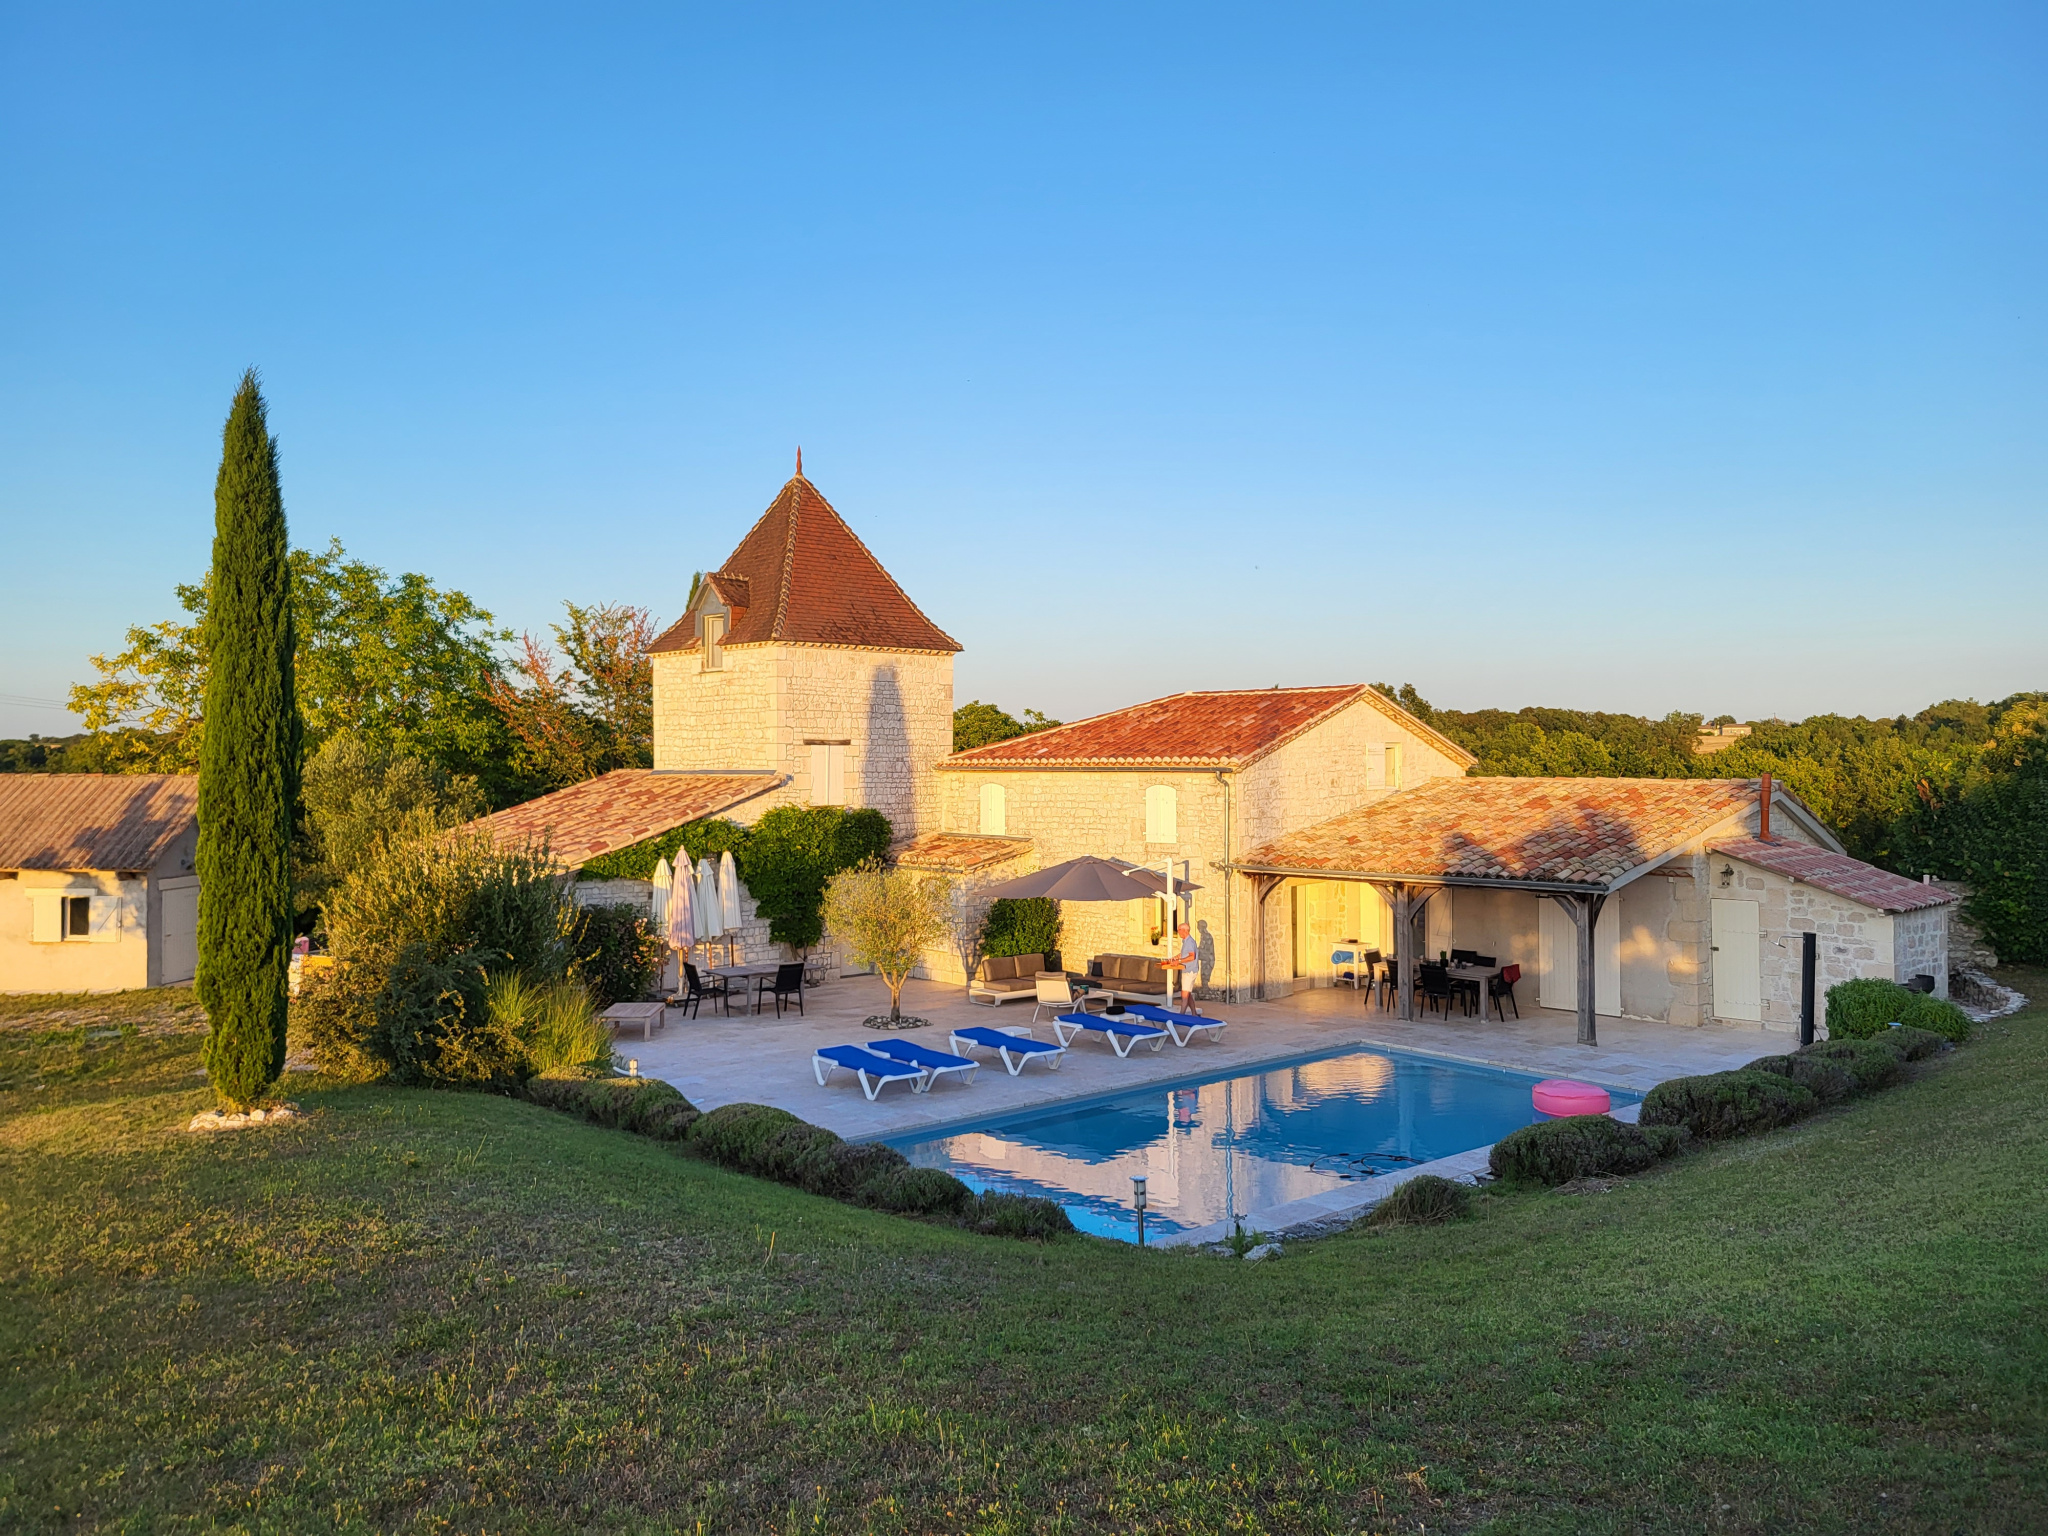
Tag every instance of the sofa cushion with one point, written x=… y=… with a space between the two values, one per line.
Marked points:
x=999 y=967
x=1011 y=984
x=1029 y=965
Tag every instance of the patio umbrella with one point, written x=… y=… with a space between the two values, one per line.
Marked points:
x=710 y=918
x=1084 y=879
x=664 y=882
x=729 y=891
x=681 y=927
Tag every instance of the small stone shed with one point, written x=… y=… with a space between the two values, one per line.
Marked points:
x=97 y=887
x=1866 y=921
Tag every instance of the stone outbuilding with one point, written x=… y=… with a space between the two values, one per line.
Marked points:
x=97 y=886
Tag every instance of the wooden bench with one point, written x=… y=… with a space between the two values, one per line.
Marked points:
x=646 y=1015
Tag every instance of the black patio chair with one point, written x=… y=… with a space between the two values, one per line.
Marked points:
x=1464 y=957
x=1390 y=980
x=789 y=982
x=1437 y=988
x=696 y=989
x=1369 y=970
x=1502 y=989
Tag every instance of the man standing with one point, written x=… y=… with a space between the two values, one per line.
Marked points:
x=1189 y=964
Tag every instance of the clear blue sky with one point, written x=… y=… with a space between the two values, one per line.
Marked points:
x=1627 y=357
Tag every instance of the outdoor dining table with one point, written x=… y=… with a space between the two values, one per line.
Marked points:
x=753 y=975
x=1480 y=975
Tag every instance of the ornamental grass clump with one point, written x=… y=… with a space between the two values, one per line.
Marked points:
x=1424 y=1200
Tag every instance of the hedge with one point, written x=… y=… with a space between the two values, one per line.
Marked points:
x=774 y=1144
x=1860 y=1009
x=1728 y=1103
x=1578 y=1147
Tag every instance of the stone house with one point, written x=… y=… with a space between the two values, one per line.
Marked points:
x=1308 y=819
x=97 y=887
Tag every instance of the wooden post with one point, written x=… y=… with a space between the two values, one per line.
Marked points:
x=1262 y=887
x=1585 y=911
x=1404 y=952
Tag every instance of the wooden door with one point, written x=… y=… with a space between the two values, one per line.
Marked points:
x=1557 y=984
x=1738 y=962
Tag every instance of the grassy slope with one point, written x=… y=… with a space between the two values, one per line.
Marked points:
x=454 y=1312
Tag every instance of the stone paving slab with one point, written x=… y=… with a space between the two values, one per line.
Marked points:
x=758 y=1058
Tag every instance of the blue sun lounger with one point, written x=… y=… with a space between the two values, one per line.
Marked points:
x=1014 y=1046
x=872 y=1070
x=1121 y=1033
x=1182 y=1026
x=934 y=1064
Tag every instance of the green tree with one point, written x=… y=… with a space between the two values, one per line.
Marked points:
x=359 y=800
x=976 y=724
x=888 y=918
x=570 y=722
x=403 y=664
x=248 y=765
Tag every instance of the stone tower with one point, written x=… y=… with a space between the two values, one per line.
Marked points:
x=801 y=657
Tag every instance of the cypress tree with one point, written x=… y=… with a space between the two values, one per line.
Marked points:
x=248 y=765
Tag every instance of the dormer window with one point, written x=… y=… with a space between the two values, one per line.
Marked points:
x=714 y=642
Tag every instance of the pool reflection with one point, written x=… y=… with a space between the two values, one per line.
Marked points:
x=1212 y=1150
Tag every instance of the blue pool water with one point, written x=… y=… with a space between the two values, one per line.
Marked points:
x=1211 y=1150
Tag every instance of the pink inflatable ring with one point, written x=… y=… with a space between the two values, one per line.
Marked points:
x=1562 y=1096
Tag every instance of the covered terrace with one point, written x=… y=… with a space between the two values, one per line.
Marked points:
x=1577 y=846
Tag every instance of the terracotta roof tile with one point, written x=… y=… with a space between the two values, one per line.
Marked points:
x=958 y=852
x=619 y=809
x=1192 y=730
x=804 y=578
x=1556 y=831
x=93 y=820
x=1865 y=884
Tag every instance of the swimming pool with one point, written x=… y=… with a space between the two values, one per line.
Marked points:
x=1230 y=1146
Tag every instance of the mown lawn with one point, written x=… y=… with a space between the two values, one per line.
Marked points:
x=443 y=1312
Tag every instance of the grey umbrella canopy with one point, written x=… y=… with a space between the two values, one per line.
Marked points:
x=1084 y=879
x=1155 y=882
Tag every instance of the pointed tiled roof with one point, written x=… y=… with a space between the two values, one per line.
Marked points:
x=802 y=577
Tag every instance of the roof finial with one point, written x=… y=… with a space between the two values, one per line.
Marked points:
x=799 y=461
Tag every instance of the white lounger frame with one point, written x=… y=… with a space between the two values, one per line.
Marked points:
x=821 y=1068
x=1014 y=1066
x=1156 y=1035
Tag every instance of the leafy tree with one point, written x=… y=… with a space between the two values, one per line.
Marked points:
x=400 y=662
x=976 y=724
x=793 y=854
x=590 y=713
x=248 y=766
x=360 y=799
x=888 y=918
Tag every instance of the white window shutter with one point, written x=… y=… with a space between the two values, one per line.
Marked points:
x=1162 y=814
x=828 y=773
x=1393 y=765
x=46 y=921
x=105 y=927
x=838 y=766
x=994 y=813
x=1375 y=766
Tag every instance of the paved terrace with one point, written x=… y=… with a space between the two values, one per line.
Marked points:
x=758 y=1058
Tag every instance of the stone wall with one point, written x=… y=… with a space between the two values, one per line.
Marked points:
x=1966 y=946
x=894 y=711
x=1920 y=944
x=1068 y=813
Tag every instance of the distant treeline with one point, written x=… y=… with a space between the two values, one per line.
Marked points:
x=1958 y=791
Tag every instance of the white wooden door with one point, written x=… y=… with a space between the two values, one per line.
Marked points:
x=1558 y=959
x=1738 y=962
x=181 y=929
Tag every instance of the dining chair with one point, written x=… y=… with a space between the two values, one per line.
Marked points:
x=788 y=982
x=1435 y=985
x=1503 y=986
x=696 y=990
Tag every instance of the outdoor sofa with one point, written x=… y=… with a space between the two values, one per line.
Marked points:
x=1135 y=978
x=1007 y=979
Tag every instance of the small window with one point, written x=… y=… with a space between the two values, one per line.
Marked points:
x=994 y=813
x=1162 y=814
x=1393 y=765
x=714 y=642
x=77 y=917
x=1375 y=766
x=828 y=773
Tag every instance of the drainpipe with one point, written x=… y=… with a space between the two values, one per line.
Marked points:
x=1230 y=989
x=1763 y=833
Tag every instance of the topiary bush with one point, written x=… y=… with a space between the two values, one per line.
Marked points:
x=1868 y=1005
x=1728 y=1103
x=732 y=1134
x=638 y=1104
x=920 y=1192
x=1574 y=1147
x=1872 y=1065
x=1916 y=1043
x=1421 y=1201
x=1828 y=1081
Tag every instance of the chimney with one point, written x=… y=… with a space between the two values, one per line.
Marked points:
x=1763 y=833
